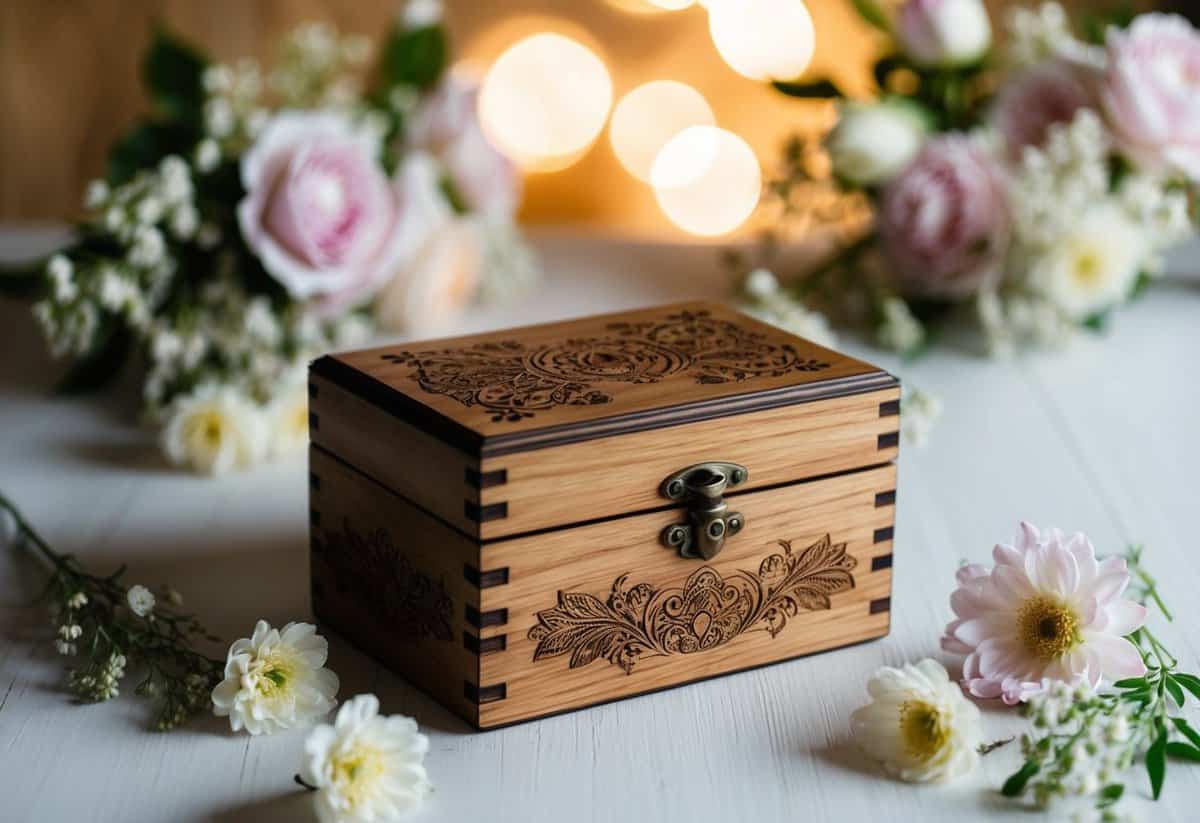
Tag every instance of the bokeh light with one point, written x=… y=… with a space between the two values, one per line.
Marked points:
x=650 y=6
x=763 y=39
x=707 y=180
x=545 y=100
x=646 y=119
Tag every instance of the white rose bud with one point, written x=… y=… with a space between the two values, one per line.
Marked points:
x=944 y=32
x=872 y=143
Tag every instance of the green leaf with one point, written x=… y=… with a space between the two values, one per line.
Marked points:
x=98 y=367
x=1156 y=762
x=142 y=148
x=1186 y=730
x=1174 y=689
x=816 y=90
x=1015 y=785
x=1189 y=682
x=173 y=72
x=1110 y=794
x=1096 y=322
x=869 y=10
x=414 y=57
x=1140 y=285
x=453 y=195
x=1131 y=683
x=1183 y=751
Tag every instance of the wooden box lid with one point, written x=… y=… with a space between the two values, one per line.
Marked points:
x=524 y=402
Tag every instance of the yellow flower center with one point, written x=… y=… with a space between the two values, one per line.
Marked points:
x=274 y=674
x=922 y=728
x=356 y=771
x=1047 y=628
x=299 y=421
x=206 y=429
x=1088 y=267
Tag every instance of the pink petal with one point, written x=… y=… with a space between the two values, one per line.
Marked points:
x=1117 y=657
x=1028 y=536
x=1006 y=556
x=1124 y=617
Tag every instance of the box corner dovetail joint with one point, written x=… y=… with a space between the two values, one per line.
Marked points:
x=537 y=520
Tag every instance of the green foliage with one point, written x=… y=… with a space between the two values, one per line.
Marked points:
x=870 y=11
x=414 y=57
x=96 y=369
x=143 y=147
x=816 y=90
x=1095 y=23
x=173 y=72
x=1015 y=785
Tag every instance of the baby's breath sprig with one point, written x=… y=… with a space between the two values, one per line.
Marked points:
x=107 y=627
x=1083 y=741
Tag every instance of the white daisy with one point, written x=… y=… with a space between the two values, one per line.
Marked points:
x=366 y=767
x=213 y=430
x=918 y=725
x=276 y=679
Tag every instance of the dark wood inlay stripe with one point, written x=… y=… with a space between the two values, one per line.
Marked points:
x=885 y=499
x=486 y=645
x=314 y=517
x=891 y=408
x=884 y=561
x=485 y=579
x=486 y=480
x=482 y=514
x=889 y=440
x=312 y=389
x=883 y=534
x=883 y=604
x=486 y=694
x=314 y=482
x=314 y=422
x=483 y=620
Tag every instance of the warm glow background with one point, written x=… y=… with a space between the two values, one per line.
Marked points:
x=69 y=83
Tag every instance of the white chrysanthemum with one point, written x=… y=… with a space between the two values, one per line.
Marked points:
x=213 y=430
x=918 y=725
x=366 y=767
x=276 y=679
x=140 y=599
x=287 y=415
x=1094 y=263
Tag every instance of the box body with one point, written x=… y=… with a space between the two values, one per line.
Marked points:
x=490 y=514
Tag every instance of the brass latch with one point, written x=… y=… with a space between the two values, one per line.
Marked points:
x=701 y=488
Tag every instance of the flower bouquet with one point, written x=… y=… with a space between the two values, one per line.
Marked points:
x=262 y=216
x=1030 y=190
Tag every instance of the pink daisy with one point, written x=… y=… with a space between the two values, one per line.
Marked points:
x=1048 y=611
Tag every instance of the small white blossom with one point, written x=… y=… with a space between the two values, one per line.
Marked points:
x=218 y=117
x=148 y=249
x=61 y=272
x=149 y=211
x=366 y=767
x=141 y=600
x=213 y=430
x=184 y=222
x=259 y=322
x=217 y=79
x=918 y=725
x=208 y=236
x=276 y=679
x=761 y=284
x=95 y=194
x=422 y=13
x=898 y=330
x=77 y=601
x=64 y=648
x=114 y=219
x=919 y=411
x=208 y=155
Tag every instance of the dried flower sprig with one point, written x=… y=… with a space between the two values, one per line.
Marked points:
x=1083 y=741
x=108 y=627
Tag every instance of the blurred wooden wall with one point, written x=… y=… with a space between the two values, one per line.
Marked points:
x=69 y=82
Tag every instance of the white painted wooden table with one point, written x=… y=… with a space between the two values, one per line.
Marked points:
x=1104 y=438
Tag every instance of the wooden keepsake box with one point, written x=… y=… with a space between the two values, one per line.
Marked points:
x=542 y=519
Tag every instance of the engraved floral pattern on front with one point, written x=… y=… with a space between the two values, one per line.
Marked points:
x=512 y=381
x=371 y=570
x=708 y=611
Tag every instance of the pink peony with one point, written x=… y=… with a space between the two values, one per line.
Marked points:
x=447 y=125
x=945 y=221
x=323 y=218
x=1032 y=102
x=1151 y=93
x=1047 y=611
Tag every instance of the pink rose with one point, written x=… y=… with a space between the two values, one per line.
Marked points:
x=447 y=124
x=1048 y=94
x=945 y=221
x=323 y=218
x=1152 y=93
